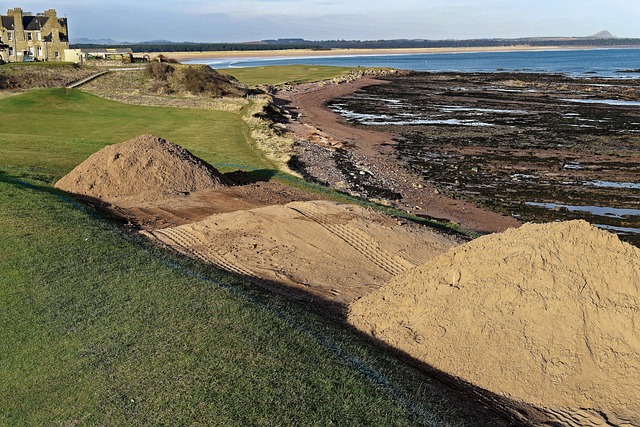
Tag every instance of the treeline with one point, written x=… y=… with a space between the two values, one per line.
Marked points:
x=369 y=44
x=589 y=42
x=198 y=47
x=391 y=44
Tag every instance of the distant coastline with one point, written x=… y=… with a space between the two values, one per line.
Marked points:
x=292 y=53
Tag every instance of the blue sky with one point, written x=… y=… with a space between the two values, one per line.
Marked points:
x=248 y=20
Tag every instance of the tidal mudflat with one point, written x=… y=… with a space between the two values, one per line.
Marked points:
x=538 y=147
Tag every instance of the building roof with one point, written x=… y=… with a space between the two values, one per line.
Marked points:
x=7 y=21
x=30 y=22
x=49 y=37
x=34 y=23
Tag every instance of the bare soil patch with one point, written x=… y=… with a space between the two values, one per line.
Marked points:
x=316 y=250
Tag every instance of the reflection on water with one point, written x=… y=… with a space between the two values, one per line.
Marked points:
x=594 y=210
x=605 y=101
x=622 y=230
x=611 y=184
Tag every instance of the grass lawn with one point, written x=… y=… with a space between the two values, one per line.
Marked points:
x=276 y=74
x=53 y=130
x=97 y=327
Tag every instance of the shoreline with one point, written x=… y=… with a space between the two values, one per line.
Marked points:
x=297 y=53
x=376 y=154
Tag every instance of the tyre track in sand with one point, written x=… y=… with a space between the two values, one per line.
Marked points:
x=185 y=242
x=358 y=240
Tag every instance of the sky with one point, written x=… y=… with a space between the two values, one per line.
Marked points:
x=251 y=20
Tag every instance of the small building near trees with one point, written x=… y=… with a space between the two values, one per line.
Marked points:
x=122 y=54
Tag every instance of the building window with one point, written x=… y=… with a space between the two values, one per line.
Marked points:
x=57 y=55
x=39 y=50
x=9 y=36
x=29 y=36
x=10 y=51
x=39 y=36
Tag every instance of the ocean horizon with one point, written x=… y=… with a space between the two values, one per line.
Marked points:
x=601 y=62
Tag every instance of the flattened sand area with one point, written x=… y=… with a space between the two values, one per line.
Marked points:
x=315 y=250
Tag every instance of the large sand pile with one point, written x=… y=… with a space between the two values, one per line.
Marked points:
x=338 y=252
x=145 y=167
x=546 y=314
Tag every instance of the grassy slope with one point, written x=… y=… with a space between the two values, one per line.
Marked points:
x=25 y=75
x=273 y=75
x=97 y=328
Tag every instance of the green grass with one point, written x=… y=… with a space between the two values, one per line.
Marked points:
x=99 y=329
x=272 y=75
x=53 y=130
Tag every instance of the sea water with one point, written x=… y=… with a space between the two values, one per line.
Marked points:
x=621 y=62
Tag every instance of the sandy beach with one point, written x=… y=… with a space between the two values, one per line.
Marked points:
x=291 y=53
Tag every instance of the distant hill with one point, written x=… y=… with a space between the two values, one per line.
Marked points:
x=106 y=42
x=157 y=42
x=111 y=42
x=603 y=35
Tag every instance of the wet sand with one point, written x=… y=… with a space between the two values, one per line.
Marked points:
x=376 y=154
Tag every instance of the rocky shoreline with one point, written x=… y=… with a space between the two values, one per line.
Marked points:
x=364 y=163
x=534 y=147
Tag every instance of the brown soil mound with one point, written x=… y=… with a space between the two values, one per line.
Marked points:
x=546 y=314
x=146 y=167
x=324 y=249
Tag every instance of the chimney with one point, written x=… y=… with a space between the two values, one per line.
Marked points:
x=17 y=22
x=51 y=13
x=16 y=11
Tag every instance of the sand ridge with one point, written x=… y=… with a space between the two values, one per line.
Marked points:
x=545 y=314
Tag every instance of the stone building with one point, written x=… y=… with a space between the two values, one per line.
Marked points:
x=28 y=37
